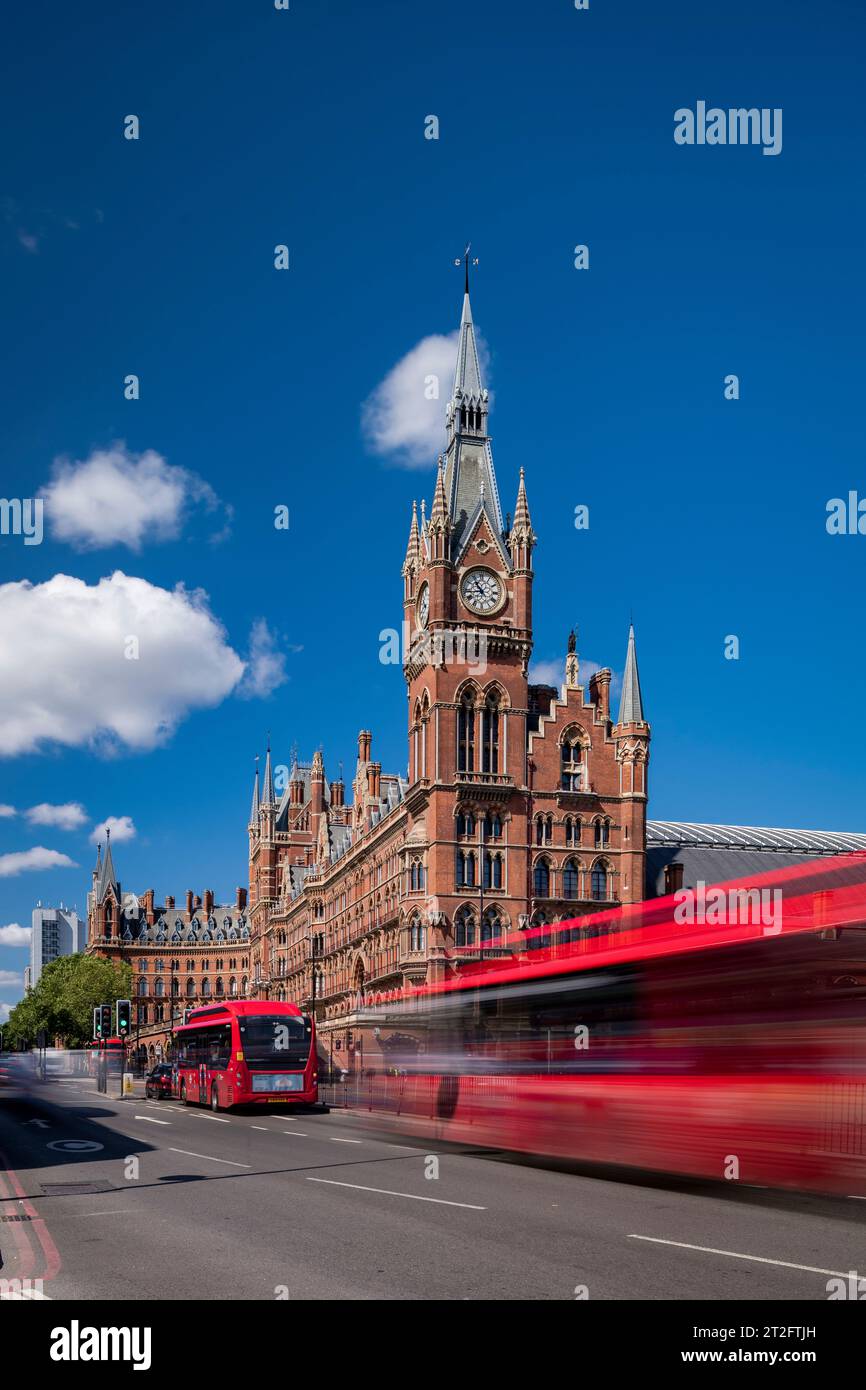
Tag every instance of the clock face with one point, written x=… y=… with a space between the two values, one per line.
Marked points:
x=423 y=608
x=481 y=591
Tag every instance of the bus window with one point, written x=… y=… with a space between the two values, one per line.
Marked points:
x=275 y=1040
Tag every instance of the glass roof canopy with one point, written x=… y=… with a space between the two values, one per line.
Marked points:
x=660 y=832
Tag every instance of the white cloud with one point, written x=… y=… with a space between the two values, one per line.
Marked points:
x=37 y=858
x=10 y=977
x=14 y=935
x=6 y=811
x=66 y=676
x=266 y=666
x=5 y=1011
x=547 y=672
x=115 y=497
x=121 y=827
x=553 y=673
x=398 y=418
x=66 y=817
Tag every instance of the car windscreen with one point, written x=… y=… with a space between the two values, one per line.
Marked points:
x=273 y=1041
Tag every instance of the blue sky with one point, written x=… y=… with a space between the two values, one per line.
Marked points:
x=306 y=127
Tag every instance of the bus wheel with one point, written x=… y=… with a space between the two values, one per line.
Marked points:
x=214 y=1099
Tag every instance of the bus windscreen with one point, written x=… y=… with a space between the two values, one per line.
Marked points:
x=275 y=1040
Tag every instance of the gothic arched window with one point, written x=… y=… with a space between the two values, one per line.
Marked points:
x=572 y=763
x=491 y=926
x=492 y=870
x=465 y=869
x=493 y=827
x=541 y=879
x=464 y=927
x=416 y=935
x=599 y=883
x=490 y=734
x=570 y=879
x=602 y=833
x=466 y=733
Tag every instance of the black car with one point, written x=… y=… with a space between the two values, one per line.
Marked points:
x=158 y=1082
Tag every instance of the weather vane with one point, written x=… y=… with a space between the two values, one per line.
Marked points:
x=464 y=260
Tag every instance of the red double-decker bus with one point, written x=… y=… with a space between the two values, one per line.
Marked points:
x=246 y=1052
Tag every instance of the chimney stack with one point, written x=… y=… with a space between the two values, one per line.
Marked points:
x=208 y=902
x=338 y=793
x=189 y=902
x=169 y=902
x=599 y=691
x=241 y=900
x=374 y=780
x=365 y=740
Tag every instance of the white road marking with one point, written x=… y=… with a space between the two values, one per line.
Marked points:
x=345 y=1141
x=264 y=1127
x=734 y=1255
x=217 y=1118
x=118 y=1211
x=24 y=1294
x=151 y=1121
x=296 y=1133
x=385 y=1192
x=189 y=1153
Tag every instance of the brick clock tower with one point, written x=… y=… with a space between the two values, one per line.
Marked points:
x=534 y=802
x=522 y=804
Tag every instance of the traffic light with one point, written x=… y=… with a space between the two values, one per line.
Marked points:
x=124 y=1017
x=105 y=1020
x=97 y=1021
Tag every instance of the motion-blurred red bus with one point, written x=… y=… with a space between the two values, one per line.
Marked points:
x=246 y=1052
x=110 y=1050
x=728 y=1049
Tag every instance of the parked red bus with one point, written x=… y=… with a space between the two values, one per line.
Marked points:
x=246 y=1052
x=733 y=1049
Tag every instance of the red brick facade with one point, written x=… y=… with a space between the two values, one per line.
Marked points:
x=522 y=803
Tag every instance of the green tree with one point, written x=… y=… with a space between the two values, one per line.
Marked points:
x=63 y=1000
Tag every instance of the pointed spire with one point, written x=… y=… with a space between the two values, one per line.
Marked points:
x=467 y=376
x=631 y=705
x=268 y=787
x=521 y=532
x=107 y=877
x=254 y=809
x=439 y=519
x=413 y=549
x=470 y=482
